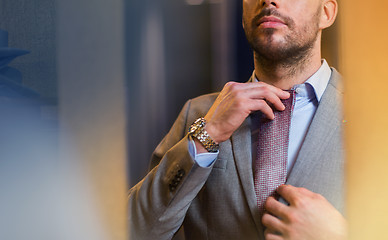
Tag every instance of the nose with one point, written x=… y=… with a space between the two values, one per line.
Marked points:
x=268 y=3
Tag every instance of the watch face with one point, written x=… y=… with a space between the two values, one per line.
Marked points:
x=196 y=126
x=193 y=128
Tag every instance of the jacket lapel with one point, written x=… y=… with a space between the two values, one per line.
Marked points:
x=324 y=126
x=242 y=150
x=242 y=153
x=241 y=144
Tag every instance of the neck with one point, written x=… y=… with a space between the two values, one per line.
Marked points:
x=289 y=72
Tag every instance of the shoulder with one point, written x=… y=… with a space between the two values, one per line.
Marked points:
x=336 y=80
x=199 y=106
x=204 y=101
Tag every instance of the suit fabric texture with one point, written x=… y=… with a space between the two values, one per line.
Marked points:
x=219 y=202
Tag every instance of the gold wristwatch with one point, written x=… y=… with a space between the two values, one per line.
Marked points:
x=197 y=130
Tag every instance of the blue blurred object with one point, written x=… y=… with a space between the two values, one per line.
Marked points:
x=19 y=105
x=10 y=78
x=8 y=54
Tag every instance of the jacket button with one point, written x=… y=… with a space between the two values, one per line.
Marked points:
x=171 y=187
x=174 y=183
x=181 y=173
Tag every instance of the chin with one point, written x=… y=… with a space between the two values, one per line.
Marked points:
x=274 y=41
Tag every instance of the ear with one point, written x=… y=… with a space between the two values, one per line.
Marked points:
x=329 y=13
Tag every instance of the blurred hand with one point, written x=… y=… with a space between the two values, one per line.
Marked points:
x=309 y=217
x=236 y=101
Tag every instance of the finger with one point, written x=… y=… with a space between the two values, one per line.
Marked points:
x=282 y=94
x=273 y=223
x=266 y=94
x=289 y=193
x=276 y=208
x=279 y=92
x=270 y=235
x=262 y=106
x=232 y=86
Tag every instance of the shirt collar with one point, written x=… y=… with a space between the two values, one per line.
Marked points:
x=318 y=81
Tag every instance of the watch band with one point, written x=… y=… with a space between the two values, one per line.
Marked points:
x=197 y=130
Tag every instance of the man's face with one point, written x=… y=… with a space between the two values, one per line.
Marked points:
x=278 y=30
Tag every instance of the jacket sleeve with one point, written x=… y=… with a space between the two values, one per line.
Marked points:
x=158 y=204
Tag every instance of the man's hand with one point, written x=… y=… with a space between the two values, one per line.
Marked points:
x=236 y=101
x=309 y=217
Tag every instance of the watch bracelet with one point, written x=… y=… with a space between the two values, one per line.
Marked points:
x=203 y=137
x=206 y=141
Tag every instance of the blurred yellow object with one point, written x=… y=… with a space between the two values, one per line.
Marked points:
x=364 y=56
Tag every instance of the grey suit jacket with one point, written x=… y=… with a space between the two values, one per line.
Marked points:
x=219 y=202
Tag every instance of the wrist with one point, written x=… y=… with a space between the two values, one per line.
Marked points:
x=216 y=131
x=212 y=132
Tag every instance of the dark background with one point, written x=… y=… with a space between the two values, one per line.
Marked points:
x=174 y=51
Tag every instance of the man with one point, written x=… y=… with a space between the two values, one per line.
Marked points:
x=207 y=177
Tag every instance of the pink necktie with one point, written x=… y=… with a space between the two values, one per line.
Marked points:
x=272 y=151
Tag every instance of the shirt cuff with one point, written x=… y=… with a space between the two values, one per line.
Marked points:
x=202 y=159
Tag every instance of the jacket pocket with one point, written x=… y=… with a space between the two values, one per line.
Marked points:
x=220 y=163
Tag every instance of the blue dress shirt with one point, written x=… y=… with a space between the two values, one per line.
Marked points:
x=307 y=99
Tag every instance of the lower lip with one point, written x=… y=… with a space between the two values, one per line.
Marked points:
x=271 y=25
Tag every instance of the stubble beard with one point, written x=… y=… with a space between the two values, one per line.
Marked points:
x=292 y=53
